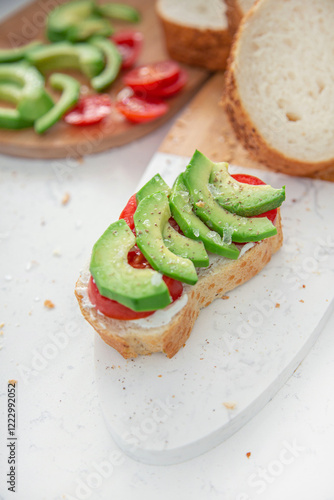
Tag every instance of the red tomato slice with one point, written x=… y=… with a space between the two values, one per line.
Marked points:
x=255 y=181
x=172 y=89
x=129 y=44
x=151 y=76
x=140 y=110
x=128 y=211
x=89 y=110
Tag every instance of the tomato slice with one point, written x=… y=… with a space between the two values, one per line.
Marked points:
x=129 y=44
x=89 y=110
x=151 y=76
x=139 y=110
x=128 y=211
x=255 y=181
x=172 y=89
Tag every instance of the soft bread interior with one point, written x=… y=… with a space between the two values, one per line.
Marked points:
x=285 y=76
x=201 y=14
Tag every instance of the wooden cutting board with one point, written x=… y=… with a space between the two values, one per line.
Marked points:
x=205 y=126
x=63 y=140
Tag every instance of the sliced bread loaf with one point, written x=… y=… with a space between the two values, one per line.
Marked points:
x=196 y=31
x=279 y=91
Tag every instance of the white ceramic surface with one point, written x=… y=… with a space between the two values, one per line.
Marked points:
x=241 y=350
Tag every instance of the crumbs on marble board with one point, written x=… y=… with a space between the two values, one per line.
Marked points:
x=230 y=405
x=277 y=305
x=49 y=304
x=248 y=454
x=66 y=198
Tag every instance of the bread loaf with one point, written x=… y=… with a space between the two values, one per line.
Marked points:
x=235 y=11
x=196 y=31
x=279 y=91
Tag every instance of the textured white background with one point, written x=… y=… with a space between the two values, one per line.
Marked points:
x=62 y=438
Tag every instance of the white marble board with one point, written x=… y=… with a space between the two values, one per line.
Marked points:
x=241 y=350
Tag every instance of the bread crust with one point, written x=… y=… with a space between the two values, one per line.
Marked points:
x=234 y=15
x=130 y=339
x=245 y=129
x=207 y=48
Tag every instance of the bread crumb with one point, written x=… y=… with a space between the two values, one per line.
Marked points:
x=200 y=204
x=1 y=332
x=230 y=405
x=12 y=382
x=48 y=304
x=225 y=297
x=66 y=198
x=277 y=305
x=248 y=454
x=2 y=325
x=159 y=375
x=301 y=300
x=304 y=286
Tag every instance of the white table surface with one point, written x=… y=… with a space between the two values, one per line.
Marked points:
x=64 y=450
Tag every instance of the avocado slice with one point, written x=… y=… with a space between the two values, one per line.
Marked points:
x=154 y=185
x=33 y=100
x=11 y=119
x=150 y=218
x=69 y=14
x=230 y=226
x=174 y=241
x=70 y=95
x=192 y=226
x=242 y=199
x=138 y=289
x=88 y=28
x=65 y=55
x=10 y=92
x=113 y=62
x=17 y=53
x=119 y=11
x=185 y=247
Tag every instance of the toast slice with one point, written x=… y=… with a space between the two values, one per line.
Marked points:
x=169 y=331
x=279 y=85
x=196 y=31
x=235 y=11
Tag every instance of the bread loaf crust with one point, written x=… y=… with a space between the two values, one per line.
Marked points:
x=234 y=15
x=207 y=48
x=245 y=129
x=130 y=339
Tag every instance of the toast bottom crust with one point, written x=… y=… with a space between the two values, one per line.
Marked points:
x=131 y=339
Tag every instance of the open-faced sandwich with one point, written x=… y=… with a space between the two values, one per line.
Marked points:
x=175 y=250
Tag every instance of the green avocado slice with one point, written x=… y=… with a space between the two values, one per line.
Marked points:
x=192 y=226
x=65 y=55
x=154 y=185
x=63 y=17
x=32 y=99
x=113 y=62
x=119 y=11
x=70 y=94
x=138 y=289
x=176 y=242
x=17 y=53
x=242 y=199
x=11 y=119
x=230 y=226
x=93 y=26
x=150 y=218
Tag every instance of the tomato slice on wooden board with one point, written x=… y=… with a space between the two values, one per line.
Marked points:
x=139 y=110
x=89 y=110
x=255 y=181
x=129 y=44
x=151 y=76
x=172 y=89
